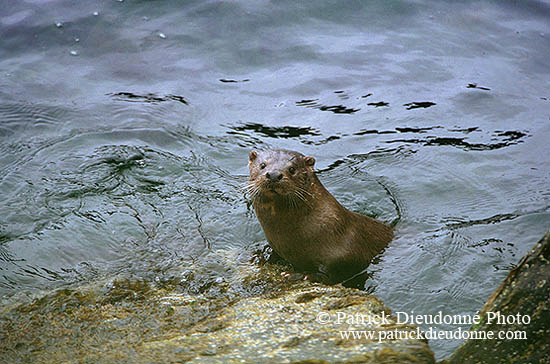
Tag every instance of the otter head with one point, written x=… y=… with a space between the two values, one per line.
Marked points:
x=280 y=173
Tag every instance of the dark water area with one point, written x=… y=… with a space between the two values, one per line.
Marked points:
x=125 y=128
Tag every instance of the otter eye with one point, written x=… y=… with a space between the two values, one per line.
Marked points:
x=292 y=170
x=262 y=165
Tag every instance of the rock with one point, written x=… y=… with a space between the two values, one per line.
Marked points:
x=526 y=291
x=126 y=321
x=300 y=326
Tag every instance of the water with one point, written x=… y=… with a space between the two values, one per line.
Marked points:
x=125 y=129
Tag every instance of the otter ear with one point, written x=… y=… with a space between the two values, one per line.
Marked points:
x=253 y=155
x=310 y=161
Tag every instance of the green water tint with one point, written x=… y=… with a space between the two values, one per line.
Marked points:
x=125 y=202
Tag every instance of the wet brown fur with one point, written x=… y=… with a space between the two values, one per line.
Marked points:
x=304 y=223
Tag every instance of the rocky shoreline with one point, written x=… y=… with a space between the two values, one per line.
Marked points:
x=125 y=321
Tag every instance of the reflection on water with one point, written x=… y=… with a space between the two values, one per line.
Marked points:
x=337 y=109
x=130 y=157
x=416 y=105
x=150 y=98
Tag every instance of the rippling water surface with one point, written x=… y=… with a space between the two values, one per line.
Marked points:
x=125 y=129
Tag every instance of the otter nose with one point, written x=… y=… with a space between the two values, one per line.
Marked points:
x=274 y=176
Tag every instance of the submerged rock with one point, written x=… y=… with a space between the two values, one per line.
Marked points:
x=518 y=315
x=124 y=321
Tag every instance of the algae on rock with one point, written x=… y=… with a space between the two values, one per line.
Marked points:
x=133 y=321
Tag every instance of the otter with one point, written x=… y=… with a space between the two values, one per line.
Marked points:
x=305 y=225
